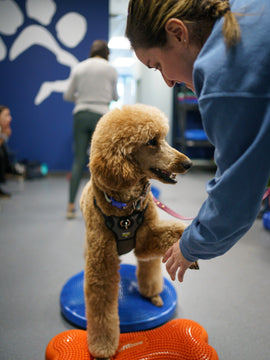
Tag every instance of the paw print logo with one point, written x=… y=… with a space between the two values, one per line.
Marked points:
x=70 y=31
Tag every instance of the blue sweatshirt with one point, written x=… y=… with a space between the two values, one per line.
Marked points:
x=233 y=90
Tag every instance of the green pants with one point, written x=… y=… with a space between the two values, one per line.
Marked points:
x=83 y=127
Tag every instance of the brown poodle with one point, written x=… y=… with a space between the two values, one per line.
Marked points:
x=128 y=148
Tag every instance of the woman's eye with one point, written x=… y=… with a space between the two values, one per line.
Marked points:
x=152 y=142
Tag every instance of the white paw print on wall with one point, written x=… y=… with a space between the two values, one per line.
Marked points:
x=70 y=29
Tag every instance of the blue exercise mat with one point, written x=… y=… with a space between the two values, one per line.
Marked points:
x=144 y=314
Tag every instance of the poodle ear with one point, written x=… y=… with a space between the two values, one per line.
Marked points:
x=113 y=171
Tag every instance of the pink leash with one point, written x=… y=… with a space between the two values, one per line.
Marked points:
x=170 y=211
x=173 y=213
x=267 y=193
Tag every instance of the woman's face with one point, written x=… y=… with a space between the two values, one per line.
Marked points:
x=174 y=61
x=5 y=118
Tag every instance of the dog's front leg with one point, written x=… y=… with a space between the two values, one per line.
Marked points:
x=151 y=246
x=158 y=239
x=101 y=285
x=150 y=280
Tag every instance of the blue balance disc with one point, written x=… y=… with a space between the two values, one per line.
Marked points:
x=144 y=314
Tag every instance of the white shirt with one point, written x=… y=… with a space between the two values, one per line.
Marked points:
x=92 y=85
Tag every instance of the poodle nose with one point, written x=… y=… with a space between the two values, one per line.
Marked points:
x=187 y=164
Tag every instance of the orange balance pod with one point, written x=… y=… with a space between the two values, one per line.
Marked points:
x=179 y=339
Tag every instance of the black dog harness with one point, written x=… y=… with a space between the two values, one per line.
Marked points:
x=124 y=228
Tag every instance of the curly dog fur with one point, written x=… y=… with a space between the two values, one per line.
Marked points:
x=128 y=148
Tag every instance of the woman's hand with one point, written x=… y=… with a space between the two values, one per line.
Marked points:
x=174 y=259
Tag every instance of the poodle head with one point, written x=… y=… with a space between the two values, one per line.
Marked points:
x=129 y=144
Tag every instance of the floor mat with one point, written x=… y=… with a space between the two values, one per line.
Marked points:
x=144 y=315
x=179 y=339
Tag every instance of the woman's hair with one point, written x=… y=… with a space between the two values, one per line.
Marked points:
x=100 y=48
x=147 y=19
x=3 y=107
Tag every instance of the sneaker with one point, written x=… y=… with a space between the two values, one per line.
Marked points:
x=4 y=194
x=71 y=214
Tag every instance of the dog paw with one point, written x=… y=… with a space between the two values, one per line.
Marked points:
x=156 y=300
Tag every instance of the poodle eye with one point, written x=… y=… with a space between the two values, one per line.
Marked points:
x=152 y=142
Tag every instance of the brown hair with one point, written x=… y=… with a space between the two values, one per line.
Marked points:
x=146 y=20
x=3 y=107
x=100 y=48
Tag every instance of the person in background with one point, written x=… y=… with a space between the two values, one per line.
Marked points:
x=92 y=86
x=5 y=133
x=220 y=49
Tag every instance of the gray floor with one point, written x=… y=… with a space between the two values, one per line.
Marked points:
x=40 y=250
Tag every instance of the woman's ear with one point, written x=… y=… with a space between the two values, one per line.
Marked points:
x=177 y=29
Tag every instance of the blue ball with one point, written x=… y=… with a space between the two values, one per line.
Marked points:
x=155 y=191
x=266 y=220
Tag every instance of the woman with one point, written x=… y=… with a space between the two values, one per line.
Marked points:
x=92 y=87
x=221 y=50
x=5 y=132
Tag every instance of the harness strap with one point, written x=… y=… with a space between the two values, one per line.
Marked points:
x=124 y=228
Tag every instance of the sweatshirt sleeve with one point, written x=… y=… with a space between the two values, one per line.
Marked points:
x=239 y=128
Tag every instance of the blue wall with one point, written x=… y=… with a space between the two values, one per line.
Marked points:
x=42 y=128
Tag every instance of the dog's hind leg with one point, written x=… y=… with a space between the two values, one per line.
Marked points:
x=150 y=279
